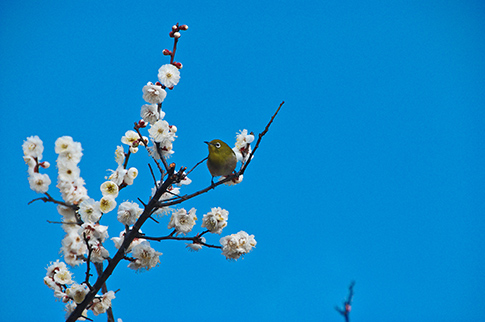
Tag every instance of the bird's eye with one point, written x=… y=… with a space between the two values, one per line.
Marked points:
x=218 y=145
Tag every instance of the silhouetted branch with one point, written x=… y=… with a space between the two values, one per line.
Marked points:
x=345 y=311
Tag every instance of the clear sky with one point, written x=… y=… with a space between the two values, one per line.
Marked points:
x=373 y=171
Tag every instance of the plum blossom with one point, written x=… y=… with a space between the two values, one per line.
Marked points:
x=39 y=182
x=169 y=75
x=215 y=220
x=153 y=94
x=33 y=147
x=182 y=221
x=145 y=256
x=236 y=245
x=128 y=213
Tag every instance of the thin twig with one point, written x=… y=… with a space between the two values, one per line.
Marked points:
x=196 y=165
x=260 y=137
x=195 y=239
x=345 y=311
x=50 y=199
x=88 y=261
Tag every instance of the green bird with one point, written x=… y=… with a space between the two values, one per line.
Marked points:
x=221 y=160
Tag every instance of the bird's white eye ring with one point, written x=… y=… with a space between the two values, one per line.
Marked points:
x=218 y=145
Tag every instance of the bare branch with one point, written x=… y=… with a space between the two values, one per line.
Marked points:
x=347 y=306
x=48 y=198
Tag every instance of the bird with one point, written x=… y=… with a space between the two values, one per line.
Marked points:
x=221 y=160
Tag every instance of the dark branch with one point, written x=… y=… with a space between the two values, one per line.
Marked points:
x=50 y=199
x=120 y=254
x=195 y=166
x=260 y=137
x=345 y=311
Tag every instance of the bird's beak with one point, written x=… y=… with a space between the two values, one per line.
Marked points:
x=208 y=143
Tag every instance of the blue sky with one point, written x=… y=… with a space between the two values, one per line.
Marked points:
x=372 y=171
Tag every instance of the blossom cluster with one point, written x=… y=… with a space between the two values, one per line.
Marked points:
x=33 y=149
x=236 y=245
x=81 y=215
x=59 y=279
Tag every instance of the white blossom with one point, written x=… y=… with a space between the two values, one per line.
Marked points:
x=49 y=281
x=98 y=252
x=106 y=204
x=118 y=241
x=54 y=267
x=145 y=256
x=30 y=163
x=243 y=147
x=33 y=147
x=101 y=304
x=130 y=138
x=64 y=144
x=68 y=171
x=39 y=182
x=128 y=213
x=90 y=211
x=182 y=221
x=195 y=247
x=119 y=155
x=130 y=175
x=153 y=94
x=94 y=231
x=215 y=220
x=73 y=192
x=73 y=247
x=109 y=188
x=150 y=114
x=243 y=139
x=169 y=75
x=77 y=292
x=70 y=152
x=63 y=276
x=235 y=245
x=160 y=131
x=118 y=175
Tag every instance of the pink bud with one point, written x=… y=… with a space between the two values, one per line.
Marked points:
x=142 y=124
x=177 y=64
x=184 y=27
x=44 y=164
x=170 y=34
x=174 y=27
x=167 y=52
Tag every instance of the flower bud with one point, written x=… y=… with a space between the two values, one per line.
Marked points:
x=176 y=34
x=177 y=64
x=45 y=164
x=141 y=124
x=184 y=27
x=174 y=27
x=173 y=128
x=170 y=34
x=167 y=52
